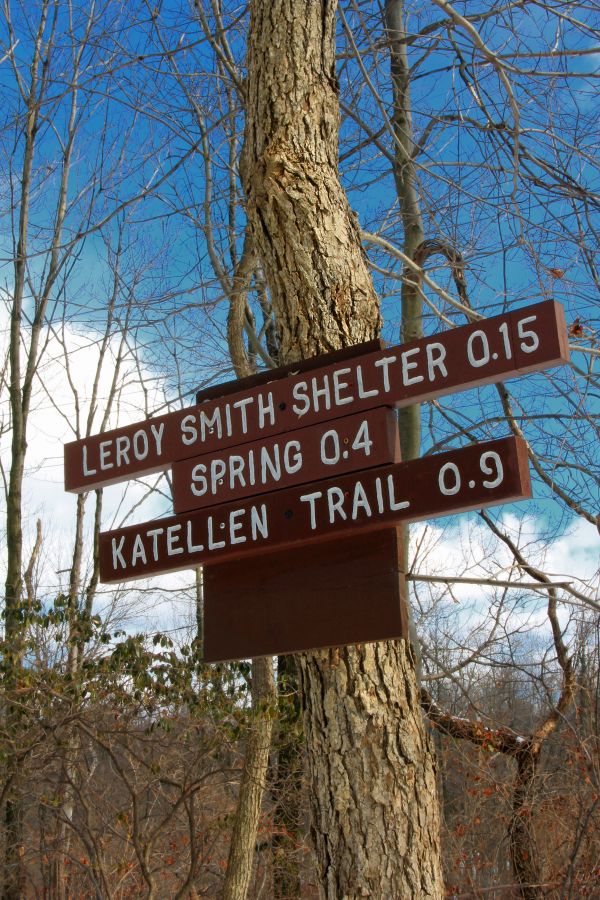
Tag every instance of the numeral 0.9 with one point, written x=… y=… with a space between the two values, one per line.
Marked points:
x=450 y=481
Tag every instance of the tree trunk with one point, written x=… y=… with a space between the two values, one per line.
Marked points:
x=523 y=846
x=405 y=179
x=374 y=805
x=371 y=764
x=19 y=391
x=304 y=231
x=256 y=757
x=287 y=784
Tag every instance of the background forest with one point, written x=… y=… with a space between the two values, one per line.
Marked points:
x=132 y=275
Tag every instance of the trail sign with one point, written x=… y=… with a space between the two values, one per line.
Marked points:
x=478 y=475
x=485 y=352
x=307 y=454
x=299 y=466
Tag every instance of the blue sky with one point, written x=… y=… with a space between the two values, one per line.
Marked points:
x=139 y=180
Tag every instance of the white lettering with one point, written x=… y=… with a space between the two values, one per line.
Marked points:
x=208 y=424
x=140 y=445
x=104 y=448
x=266 y=462
x=392 y=497
x=384 y=363
x=241 y=405
x=172 y=539
x=158 y=435
x=122 y=450
x=333 y=437
x=406 y=366
x=379 y=495
x=236 y=470
x=359 y=382
x=192 y=548
x=188 y=430
x=362 y=440
x=311 y=498
x=117 y=556
x=359 y=501
x=212 y=544
x=234 y=527
x=434 y=362
x=339 y=386
x=138 y=551
x=217 y=470
x=199 y=483
x=300 y=393
x=228 y=425
x=484 y=348
x=321 y=392
x=262 y=410
x=293 y=449
x=154 y=533
x=86 y=470
x=527 y=333
x=251 y=474
x=258 y=522
x=335 y=501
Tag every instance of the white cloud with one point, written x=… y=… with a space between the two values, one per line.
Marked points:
x=51 y=424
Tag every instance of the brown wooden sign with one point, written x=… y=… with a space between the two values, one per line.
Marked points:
x=344 y=591
x=301 y=456
x=459 y=480
x=492 y=350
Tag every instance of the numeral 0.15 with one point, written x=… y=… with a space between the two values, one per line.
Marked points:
x=490 y=464
x=478 y=345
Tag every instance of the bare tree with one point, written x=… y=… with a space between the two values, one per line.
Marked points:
x=466 y=147
x=56 y=180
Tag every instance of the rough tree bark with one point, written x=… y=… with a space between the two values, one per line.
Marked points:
x=371 y=763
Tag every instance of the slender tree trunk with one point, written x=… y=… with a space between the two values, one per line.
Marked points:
x=371 y=763
x=405 y=179
x=258 y=744
x=287 y=786
x=199 y=639
x=13 y=874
